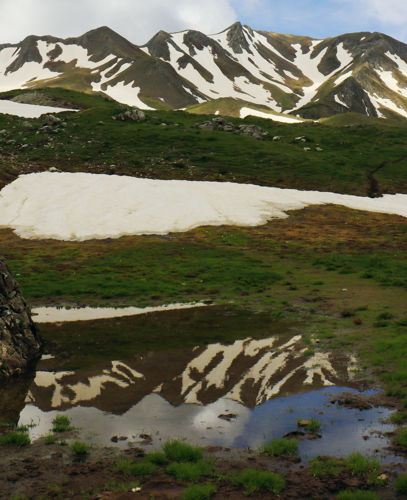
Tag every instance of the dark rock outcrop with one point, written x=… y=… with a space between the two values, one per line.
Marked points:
x=19 y=341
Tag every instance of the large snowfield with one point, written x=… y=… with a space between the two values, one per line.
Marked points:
x=81 y=206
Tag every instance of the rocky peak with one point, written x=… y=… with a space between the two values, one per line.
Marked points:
x=158 y=45
x=103 y=41
x=237 y=39
x=19 y=341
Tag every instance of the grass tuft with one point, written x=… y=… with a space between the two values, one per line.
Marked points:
x=157 y=458
x=18 y=437
x=130 y=468
x=360 y=465
x=313 y=426
x=253 y=481
x=401 y=437
x=280 y=446
x=50 y=439
x=177 y=451
x=190 y=471
x=80 y=449
x=199 y=492
x=358 y=495
x=323 y=467
x=61 y=423
x=401 y=484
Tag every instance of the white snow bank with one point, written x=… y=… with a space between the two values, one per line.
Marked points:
x=62 y=315
x=270 y=116
x=28 y=110
x=81 y=206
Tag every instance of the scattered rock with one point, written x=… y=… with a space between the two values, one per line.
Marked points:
x=132 y=114
x=146 y=439
x=352 y=401
x=277 y=138
x=301 y=435
x=253 y=131
x=219 y=123
x=52 y=120
x=228 y=416
x=116 y=439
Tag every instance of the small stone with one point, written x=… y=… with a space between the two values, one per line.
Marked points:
x=304 y=423
x=228 y=416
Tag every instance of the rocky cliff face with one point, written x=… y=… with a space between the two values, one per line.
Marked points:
x=19 y=341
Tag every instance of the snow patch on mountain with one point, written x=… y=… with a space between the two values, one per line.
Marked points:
x=126 y=94
x=339 y=101
x=30 y=72
x=270 y=116
x=382 y=102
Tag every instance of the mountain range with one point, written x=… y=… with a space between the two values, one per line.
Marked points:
x=239 y=69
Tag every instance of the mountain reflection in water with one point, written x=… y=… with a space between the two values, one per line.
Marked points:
x=248 y=372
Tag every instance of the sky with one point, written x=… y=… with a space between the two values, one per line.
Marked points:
x=139 y=20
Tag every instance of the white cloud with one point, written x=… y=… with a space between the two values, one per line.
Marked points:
x=137 y=20
x=387 y=16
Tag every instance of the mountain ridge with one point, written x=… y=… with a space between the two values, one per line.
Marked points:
x=296 y=75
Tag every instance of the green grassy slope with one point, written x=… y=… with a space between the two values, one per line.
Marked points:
x=93 y=142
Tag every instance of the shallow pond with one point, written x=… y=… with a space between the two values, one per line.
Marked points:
x=213 y=376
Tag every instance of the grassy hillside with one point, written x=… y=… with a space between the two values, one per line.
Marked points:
x=168 y=145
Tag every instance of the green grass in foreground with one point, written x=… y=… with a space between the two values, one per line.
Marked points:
x=16 y=437
x=359 y=465
x=80 y=449
x=358 y=495
x=320 y=467
x=61 y=423
x=280 y=446
x=182 y=452
x=199 y=492
x=254 y=481
x=130 y=468
x=190 y=472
